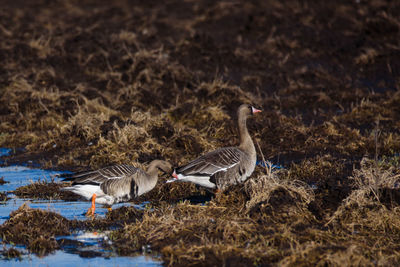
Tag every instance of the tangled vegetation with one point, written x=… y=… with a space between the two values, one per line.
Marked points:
x=86 y=84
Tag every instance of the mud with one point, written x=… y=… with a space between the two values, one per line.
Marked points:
x=91 y=83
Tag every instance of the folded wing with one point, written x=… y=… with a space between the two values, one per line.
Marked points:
x=211 y=163
x=100 y=176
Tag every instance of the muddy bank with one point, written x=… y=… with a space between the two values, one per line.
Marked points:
x=90 y=84
x=270 y=220
x=37 y=229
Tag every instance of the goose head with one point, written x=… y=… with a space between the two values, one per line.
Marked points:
x=164 y=166
x=157 y=165
x=246 y=110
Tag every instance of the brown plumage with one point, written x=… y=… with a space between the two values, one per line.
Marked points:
x=224 y=166
x=116 y=183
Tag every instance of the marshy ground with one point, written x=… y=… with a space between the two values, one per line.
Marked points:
x=86 y=84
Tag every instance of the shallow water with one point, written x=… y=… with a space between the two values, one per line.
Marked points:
x=62 y=258
x=69 y=209
x=17 y=176
x=91 y=242
x=268 y=165
x=5 y=151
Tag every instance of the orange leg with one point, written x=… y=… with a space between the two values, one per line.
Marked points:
x=91 y=210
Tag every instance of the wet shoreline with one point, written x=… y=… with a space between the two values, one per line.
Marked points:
x=89 y=84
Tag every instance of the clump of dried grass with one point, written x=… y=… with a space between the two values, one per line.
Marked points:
x=221 y=231
x=130 y=141
x=34 y=228
x=42 y=46
x=171 y=192
x=261 y=187
x=368 y=217
x=362 y=230
x=188 y=233
x=11 y=253
x=221 y=92
x=367 y=56
x=368 y=182
x=370 y=179
x=136 y=68
x=30 y=105
x=311 y=170
x=45 y=190
x=189 y=114
x=87 y=120
x=3 y=197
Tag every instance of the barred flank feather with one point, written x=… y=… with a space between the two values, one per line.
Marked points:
x=224 y=166
x=116 y=183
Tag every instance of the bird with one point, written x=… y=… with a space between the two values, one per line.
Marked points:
x=225 y=166
x=117 y=183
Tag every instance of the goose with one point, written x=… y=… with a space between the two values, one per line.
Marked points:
x=225 y=166
x=116 y=183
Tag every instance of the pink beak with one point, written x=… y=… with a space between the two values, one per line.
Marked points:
x=254 y=110
x=174 y=175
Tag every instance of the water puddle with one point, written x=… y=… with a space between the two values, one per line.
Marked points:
x=17 y=176
x=62 y=258
x=83 y=248
x=5 y=151
x=267 y=164
x=69 y=209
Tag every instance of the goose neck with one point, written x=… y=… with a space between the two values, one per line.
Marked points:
x=246 y=143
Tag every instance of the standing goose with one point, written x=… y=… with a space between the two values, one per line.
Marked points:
x=116 y=183
x=224 y=166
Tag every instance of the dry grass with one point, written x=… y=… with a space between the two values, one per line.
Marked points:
x=220 y=232
x=261 y=188
x=84 y=87
x=34 y=228
x=45 y=190
x=374 y=186
x=11 y=253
